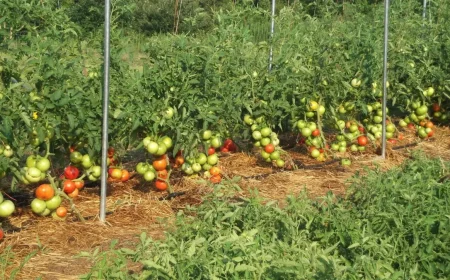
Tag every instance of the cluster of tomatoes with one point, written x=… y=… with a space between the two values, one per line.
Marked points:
x=351 y=133
x=158 y=148
x=35 y=170
x=266 y=139
x=439 y=113
x=71 y=183
x=312 y=137
x=418 y=119
x=92 y=171
x=47 y=202
x=206 y=161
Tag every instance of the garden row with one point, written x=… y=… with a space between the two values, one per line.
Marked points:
x=184 y=98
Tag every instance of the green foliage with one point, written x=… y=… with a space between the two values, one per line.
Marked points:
x=392 y=226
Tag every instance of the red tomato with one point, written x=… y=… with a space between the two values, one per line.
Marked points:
x=361 y=129
x=411 y=126
x=71 y=172
x=224 y=150
x=160 y=163
x=110 y=152
x=436 y=107
x=160 y=185
x=116 y=173
x=211 y=151
x=316 y=132
x=61 y=211
x=163 y=174
x=431 y=133
x=216 y=178
x=362 y=140
x=270 y=148
x=125 y=175
x=1 y=234
x=392 y=141
x=69 y=186
x=79 y=184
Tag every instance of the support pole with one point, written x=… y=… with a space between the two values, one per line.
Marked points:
x=272 y=29
x=385 y=59
x=424 y=15
x=103 y=185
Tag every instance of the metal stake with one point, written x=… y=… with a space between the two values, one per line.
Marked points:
x=386 y=33
x=424 y=9
x=272 y=29
x=103 y=185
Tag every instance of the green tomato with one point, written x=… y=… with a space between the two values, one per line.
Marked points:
x=167 y=141
x=390 y=128
x=142 y=167
x=53 y=202
x=309 y=114
x=196 y=167
x=8 y=152
x=306 y=131
x=7 y=207
x=321 y=110
x=76 y=157
x=38 y=205
x=335 y=147
x=86 y=161
x=168 y=113
x=342 y=149
x=146 y=141
x=280 y=163
x=312 y=126
x=256 y=135
x=248 y=120
x=257 y=144
x=346 y=162
x=301 y=124
x=162 y=149
x=265 y=141
x=149 y=175
x=206 y=135
x=43 y=164
x=265 y=132
x=152 y=147
x=353 y=148
x=31 y=161
x=422 y=110
x=206 y=167
x=315 y=153
x=216 y=142
x=33 y=175
x=96 y=171
x=213 y=159
x=275 y=155
x=201 y=158
x=264 y=154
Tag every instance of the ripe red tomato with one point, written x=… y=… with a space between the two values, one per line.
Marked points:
x=362 y=140
x=160 y=185
x=125 y=175
x=436 y=107
x=392 y=141
x=61 y=211
x=72 y=149
x=110 y=152
x=411 y=126
x=160 y=163
x=216 y=178
x=430 y=134
x=270 y=148
x=316 y=132
x=224 y=150
x=69 y=186
x=2 y=234
x=163 y=174
x=429 y=124
x=361 y=129
x=211 y=151
x=73 y=194
x=79 y=184
x=71 y=172
x=45 y=192
x=401 y=137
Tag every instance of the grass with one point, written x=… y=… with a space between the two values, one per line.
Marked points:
x=393 y=225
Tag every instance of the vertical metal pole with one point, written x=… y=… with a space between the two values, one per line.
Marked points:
x=103 y=185
x=385 y=59
x=424 y=9
x=272 y=29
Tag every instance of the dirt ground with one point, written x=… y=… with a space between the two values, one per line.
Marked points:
x=53 y=246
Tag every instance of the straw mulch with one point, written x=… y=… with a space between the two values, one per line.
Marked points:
x=134 y=207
